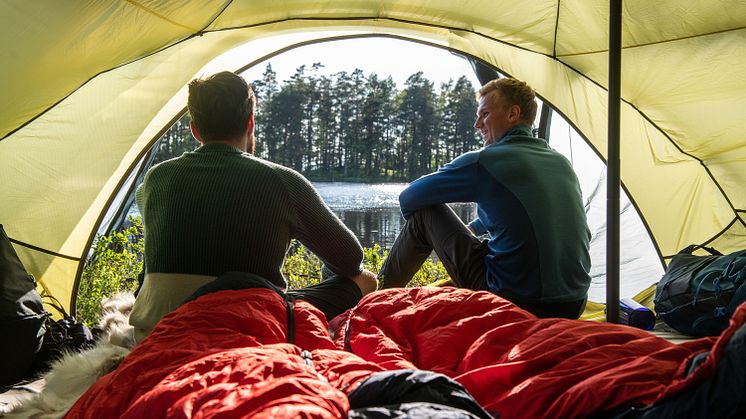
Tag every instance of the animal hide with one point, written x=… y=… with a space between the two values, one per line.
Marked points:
x=72 y=375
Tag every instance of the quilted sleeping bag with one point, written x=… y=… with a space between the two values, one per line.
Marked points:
x=229 y=354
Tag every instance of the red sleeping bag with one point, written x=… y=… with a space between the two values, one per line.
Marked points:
x=511 y=362
x=226 y=354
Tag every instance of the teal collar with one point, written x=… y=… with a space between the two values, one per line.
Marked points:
x=522 y=130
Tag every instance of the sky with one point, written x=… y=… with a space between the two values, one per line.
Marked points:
x=383 y=56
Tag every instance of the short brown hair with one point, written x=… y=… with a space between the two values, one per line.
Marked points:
x=515 y=92
x=220 y=106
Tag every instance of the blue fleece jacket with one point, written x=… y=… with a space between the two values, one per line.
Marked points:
x=529 y=201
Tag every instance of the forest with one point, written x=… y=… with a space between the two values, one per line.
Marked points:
x=350 y=126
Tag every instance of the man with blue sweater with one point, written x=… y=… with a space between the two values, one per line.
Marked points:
x=528 y=200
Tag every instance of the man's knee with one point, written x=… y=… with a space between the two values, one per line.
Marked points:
x=428 y=214
x=366 y=281
x=431 y=222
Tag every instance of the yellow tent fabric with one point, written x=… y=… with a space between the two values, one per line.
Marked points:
x=87 y=86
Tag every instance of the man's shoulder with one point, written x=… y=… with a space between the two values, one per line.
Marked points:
x=517 y=144
x=246 y=164
x=286 y=176
x=276 y=168
x=470 y=157
x=166 y=165
x=269 y=165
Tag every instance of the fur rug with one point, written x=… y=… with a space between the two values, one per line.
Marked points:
x=70 y=376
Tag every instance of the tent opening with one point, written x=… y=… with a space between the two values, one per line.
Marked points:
x=641 y=265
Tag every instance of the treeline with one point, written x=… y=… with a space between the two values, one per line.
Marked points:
x=349 y=126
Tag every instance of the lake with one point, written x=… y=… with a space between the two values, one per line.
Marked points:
x=371 y=210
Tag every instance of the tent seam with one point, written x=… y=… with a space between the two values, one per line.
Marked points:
x=159 y=16
x=556 y=29
x=701 y=162
x=683 y=38
x=43 y=250
x=713 y=238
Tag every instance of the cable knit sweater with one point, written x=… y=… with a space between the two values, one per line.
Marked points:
x=217 y=209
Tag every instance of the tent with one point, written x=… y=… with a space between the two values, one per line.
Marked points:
x=89 y=86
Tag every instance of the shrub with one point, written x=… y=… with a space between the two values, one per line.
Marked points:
x=113 y=266
x=302 y=268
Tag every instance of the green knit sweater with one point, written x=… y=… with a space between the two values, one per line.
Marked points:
x=216 y=210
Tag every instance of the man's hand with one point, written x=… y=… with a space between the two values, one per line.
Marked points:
x=366 y=281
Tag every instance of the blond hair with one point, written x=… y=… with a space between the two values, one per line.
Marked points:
x=513 y=92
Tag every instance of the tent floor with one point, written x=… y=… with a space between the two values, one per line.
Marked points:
x=662 y=330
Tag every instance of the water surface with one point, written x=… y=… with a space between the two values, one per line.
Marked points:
x=371 y=210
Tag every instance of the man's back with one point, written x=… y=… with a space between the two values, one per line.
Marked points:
x=216 y=210
x=219 y=216
x=532 y=206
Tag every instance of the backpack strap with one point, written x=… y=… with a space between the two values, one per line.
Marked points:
x=53 y=302
x=740 y=295
x=692 y=247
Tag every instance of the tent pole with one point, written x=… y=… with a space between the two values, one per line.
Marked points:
x=545 y=121
x=613 y=162
x=483 y=72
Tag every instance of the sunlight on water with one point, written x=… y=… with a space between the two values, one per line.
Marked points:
x=358 y=196
x=371 y=210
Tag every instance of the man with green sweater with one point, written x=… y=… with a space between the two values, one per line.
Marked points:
x=220 y=209
x=528 y=202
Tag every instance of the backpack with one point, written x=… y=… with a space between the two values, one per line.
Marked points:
x=22 y=316
x=698 y=294
x=62 y=336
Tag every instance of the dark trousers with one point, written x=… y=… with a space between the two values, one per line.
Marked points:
x=436 y=228
x=334 y=295
x=439 y=229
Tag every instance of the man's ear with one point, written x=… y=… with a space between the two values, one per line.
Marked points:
x=250 y=125
x=514 y=113
x=197 y=136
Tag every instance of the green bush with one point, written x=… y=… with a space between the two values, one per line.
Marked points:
x=113 y=266
x=302 y=268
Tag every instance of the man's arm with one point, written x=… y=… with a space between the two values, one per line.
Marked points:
x=320 y=230
x=457 y=181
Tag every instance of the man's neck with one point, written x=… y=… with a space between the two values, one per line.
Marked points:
x=235 y=144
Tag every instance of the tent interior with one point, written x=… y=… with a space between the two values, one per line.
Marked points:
x=89 y=87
